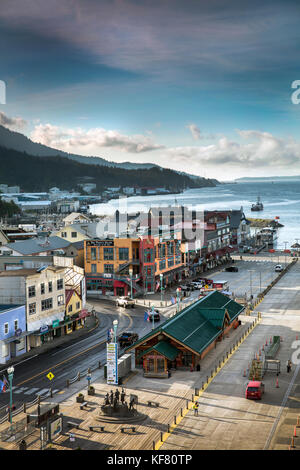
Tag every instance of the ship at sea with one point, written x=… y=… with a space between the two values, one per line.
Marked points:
x=258 y=206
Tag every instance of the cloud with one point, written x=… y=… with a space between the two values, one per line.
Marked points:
x=14 y=123
x=77 y=140
x=260 y=149
x=195 y=131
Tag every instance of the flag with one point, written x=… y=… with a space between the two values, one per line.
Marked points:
x=2 y=387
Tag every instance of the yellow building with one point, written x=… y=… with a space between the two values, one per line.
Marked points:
x=73 y=314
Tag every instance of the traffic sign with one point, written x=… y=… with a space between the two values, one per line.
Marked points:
x=50 y=376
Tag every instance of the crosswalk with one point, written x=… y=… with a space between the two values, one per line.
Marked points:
x=31 y=390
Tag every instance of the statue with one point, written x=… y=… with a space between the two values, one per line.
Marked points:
x=106 y=399
x=117 y=394
x=123 y=396
x=111 y=397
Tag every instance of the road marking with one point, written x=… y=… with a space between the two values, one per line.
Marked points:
x=32 y=390
x=43 y=391
x=21 y=390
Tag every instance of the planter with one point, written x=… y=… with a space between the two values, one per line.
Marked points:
x=80 y=399
x=91 y=391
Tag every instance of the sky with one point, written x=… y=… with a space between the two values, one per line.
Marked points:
x=196 y=86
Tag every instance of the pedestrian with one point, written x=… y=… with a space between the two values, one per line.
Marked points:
x=196 y=406
x=288 y=366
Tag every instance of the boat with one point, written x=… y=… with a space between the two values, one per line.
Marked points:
x=258 y=206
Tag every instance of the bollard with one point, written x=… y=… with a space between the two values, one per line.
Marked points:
x=292 y=443
x=51 y=392
x=181 y=412
x=168 y=429
x=175 y=420
x=192 y=398
x=207 y=379
x=153 y=445
x=161 y=437
x=78 y=376
x=295 y=432
x=99 y=365
x=202 y=385
x=68 y=383
x=211 y=373
x=24 y=407
x=187 y=404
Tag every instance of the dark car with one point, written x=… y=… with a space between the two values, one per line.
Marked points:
x=150 y=315
x=127 y=338
x=232 y=269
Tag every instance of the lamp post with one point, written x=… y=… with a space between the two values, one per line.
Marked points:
x=10 y=372
x=115 y=325
x=130 y=273
x=161 y=276
x=178 y=297
x=285 y=243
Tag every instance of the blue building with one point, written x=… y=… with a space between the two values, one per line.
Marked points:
x=12 y=332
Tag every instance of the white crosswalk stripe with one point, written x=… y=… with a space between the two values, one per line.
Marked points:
x=42 y=392
x=31 y=391
x=21 y=390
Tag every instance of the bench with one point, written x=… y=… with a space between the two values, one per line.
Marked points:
x=128 y=427
x=73 y=425
x=96 y=427
x=154 y=403
x=83 y=405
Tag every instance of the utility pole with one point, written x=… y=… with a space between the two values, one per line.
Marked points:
x=285 y=243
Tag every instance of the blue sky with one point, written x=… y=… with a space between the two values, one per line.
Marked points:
x=192 y=85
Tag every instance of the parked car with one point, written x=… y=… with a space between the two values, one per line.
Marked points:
x=127 y=338
x=255 y=390
x=196 y=284
x=185 y=288
x=232 y=269
x=125 y=302
x=278 y=268
x=150 y=314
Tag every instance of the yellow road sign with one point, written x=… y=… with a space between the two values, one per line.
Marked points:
x=50 y=376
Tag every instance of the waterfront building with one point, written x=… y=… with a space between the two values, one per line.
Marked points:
x=42 y=246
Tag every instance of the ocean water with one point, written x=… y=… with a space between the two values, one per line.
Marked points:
x=280 y=199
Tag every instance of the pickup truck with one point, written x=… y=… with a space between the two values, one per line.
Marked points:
x=127 y=338
x=125 y=302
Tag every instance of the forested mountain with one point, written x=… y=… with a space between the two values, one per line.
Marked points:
x=33 y=173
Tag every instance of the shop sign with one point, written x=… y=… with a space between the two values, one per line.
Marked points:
x=44 y=329
x=18 y=332
x=112 y=363
x=55 y=323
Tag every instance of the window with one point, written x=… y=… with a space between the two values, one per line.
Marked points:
x=46 y=304
x=148 y=255
x=93 y=253
x=93 y=268
x=60 y=284
x=4 y=350
x=42 y=289
x=32 y=308
x=16 y=324
x=21 y=344
x=108 y=253
x=124 y=254
x=70 y=308
x=74 y=234
x=162 y=264
x=109 y=268
x=64 y=234
x=50 y=286
x=31 y=291
x=77 y=305
x=60 y=300
x=5 y=328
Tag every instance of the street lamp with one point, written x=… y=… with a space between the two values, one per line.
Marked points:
x=115 y=325
x=130 y=273
x=10 y=372
x=161 y=276
x=178 y=297
x=285 y=243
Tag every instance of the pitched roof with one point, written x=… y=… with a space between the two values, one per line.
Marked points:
x=164 y=348
x=199 y=324
x=36 y=245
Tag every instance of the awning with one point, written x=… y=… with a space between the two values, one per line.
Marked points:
x=16 y=338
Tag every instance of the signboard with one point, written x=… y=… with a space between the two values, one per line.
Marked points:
x=18 y=332
x=55 y=428
x=55 y=323
x=112 y=363
x=44 y=329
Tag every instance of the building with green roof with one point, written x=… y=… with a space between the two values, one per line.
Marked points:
x=184 y=339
